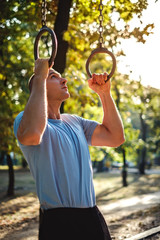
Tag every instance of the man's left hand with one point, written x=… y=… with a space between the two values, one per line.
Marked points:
x=97 y=83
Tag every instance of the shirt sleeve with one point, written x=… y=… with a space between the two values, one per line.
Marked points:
x=17 y=122
x=28 y=151
x=88 y=128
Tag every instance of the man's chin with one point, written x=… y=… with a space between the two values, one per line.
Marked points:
x=67 y=95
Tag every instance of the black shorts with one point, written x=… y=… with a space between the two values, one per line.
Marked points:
x=73 y=224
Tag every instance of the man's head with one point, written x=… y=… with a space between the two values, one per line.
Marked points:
x=56 y=86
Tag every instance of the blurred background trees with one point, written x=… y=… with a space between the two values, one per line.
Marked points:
x=76 y=26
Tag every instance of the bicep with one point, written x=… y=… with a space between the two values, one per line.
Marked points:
x=102 y=137
x=27 y=137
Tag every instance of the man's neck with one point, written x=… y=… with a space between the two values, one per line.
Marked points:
x=54 y=110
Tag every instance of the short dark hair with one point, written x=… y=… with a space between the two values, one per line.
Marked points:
x=30 y=81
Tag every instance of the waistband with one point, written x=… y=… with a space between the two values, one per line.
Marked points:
x=68 y=210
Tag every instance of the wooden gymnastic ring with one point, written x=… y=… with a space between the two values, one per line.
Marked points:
x=54 y=44
x=101 y=50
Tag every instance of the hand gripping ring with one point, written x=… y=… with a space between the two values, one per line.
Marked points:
x=101 y=50
x=54 y=44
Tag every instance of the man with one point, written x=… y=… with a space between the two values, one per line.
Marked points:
x=56 y=148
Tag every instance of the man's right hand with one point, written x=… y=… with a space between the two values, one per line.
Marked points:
x=33 y=123
x=41 y=68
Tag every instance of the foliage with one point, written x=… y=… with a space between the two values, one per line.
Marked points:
x=20 y=21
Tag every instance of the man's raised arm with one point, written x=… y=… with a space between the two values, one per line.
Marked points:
x=34 y=119
x=110 y=132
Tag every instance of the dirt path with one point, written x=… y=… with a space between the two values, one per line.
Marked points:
x=127 y=217
x=28 y=231
x=120 y=215
x=128 y=211
x=127 y=206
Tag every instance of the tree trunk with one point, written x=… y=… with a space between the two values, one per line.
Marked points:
x=61 y=25
x=100 y=166
x=2 y=155
x=118 y=96
x=144 y=150
x=142 y=163
x=124 y=170
x=10 y=191
x=24 y=163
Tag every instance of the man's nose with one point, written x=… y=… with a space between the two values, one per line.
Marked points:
x=63 y=81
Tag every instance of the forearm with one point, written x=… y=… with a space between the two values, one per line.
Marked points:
x=110 y=132
x=34 y=118
x=111 y=118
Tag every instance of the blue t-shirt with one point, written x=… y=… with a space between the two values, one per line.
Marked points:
x=61 y=164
